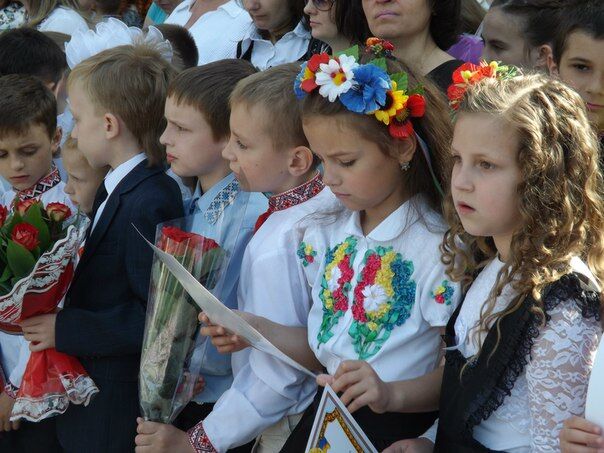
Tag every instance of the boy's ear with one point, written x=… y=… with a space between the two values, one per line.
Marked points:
x=111 y=125
x=552 y=67
x=301 y=159
x=55 y=143
x=406 y=149
x=545 y=53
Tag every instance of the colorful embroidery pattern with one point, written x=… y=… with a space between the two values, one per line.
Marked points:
x=444 y=293
x=383 y=299
x=336 y=285
x=306 y=253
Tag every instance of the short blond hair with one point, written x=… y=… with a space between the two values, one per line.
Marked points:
x=130 y=82
x=273 y=90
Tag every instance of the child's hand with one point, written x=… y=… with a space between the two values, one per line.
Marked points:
x=578 y=433
x=159 y=438
x=419 y=445
x=361 y=386
x=6 y=407
x=224 y=341
x=40 y=331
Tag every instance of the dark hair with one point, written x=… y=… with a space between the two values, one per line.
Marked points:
x=185 y=50
x=445 y=22
x=26 y=101
x=541 y=18
x=207 y=88
x=472 y=15
x=434 y=127
x=351 y=21
x=29 y=51
x=108 y=7
x=586 y=16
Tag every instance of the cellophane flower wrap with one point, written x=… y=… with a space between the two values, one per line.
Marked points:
x=38 y=248
x=167 y=375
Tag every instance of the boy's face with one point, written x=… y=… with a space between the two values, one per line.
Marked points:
x=83 y=180
x=89 y=129
x=251 y=152
x=190 y=146
x=582 y=67
x=27 y=158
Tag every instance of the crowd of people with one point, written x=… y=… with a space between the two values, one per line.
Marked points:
x=411 y=191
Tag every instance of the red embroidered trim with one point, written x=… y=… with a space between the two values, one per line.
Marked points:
x=199 y=440
x=11 y=390
x=297 y=195
x=43 y=185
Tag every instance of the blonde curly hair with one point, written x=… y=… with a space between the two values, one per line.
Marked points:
x=560 y=196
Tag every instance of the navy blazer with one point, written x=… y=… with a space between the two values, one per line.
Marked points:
x=104 y=316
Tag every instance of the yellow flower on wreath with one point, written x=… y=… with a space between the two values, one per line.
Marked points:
x=395 y=101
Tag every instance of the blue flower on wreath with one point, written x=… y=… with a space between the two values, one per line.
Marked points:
x=369 y=93
x=298 y=82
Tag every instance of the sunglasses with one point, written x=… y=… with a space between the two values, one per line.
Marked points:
x=321 y=5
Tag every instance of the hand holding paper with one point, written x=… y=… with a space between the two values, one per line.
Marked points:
x=224 y=341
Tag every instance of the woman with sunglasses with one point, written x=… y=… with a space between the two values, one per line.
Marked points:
x=338 y=23
x=421 y=31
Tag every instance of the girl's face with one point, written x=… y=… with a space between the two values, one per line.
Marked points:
x=270 y=15
x=322 y=23
x=359 y=174
x=83 y=181
x=392 y=19
x=485 y=177
x=582 y=67
x=504 y=41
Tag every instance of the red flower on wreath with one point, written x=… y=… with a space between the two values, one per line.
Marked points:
x=401 y=126
x=309 y=80
x=57 y=212
x=23 y=205
x=26 y=235
x=3 y=214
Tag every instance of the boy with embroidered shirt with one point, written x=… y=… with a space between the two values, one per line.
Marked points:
x=28 y=138
x=104 y=316
x=197 y=112
x=268 y=152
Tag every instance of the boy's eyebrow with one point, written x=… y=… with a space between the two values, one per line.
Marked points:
x=341 y=153
x=579 y=60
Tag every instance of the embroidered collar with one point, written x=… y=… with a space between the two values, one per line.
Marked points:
x=43 y=185
x=297 y=195
x=223 y=199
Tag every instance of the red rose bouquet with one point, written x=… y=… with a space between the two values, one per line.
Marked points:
x=38 y=245
x=166 y=380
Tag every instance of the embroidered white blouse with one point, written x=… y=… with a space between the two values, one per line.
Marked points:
x=553 y=385
x=216 y=33
x=14 y=349
x=380 y=297
x=271 y=285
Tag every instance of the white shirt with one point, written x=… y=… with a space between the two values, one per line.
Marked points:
x=290 y=48
x=114 y=177
x=271 y=284
x=553 y=384
x=216 y=33
x=14 y=349
x=403 y=305
x=63 y=20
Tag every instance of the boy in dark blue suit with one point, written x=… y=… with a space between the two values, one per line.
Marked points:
x=117 y=100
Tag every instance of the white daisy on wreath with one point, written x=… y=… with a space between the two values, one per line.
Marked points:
x=336 y=76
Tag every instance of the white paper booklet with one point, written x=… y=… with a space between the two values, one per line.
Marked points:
x=594 y=406
x=334 y=430
x=221 y=315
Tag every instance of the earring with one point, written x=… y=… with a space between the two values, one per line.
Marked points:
x=405 y=166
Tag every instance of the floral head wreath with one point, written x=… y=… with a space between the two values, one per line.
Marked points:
x=469 y=74
x=365 y=88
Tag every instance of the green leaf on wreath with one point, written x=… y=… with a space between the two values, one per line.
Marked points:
x=20 y=260
x=380 y=63
x=351 y=52
x=401 y=79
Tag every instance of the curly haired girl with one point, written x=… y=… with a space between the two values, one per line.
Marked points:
x=526 y=219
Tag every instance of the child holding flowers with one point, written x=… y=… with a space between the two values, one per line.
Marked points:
x=28 y=138
x=526 y=216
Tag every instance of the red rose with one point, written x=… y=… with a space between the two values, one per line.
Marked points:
x=57 y=212
x=3 y=214
x=191 y=240
x=24 y=205
x=26 y=235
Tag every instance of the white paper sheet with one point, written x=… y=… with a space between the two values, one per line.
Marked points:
x=221 y=315
x=335 y=430
x=594 y=406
